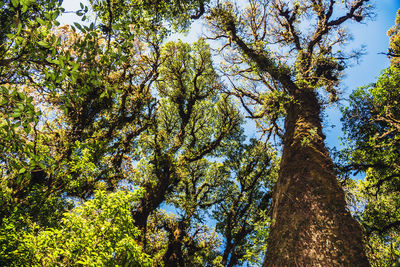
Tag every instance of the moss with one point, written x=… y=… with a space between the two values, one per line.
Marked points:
x=312 y=226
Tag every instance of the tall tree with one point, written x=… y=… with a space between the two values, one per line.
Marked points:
x=292 y=48
x=124 y=109
x=101 y=107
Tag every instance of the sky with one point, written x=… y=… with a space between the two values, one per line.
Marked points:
x=372 y=34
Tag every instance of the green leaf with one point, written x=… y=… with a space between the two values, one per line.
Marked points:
x=41 y=21
x=16 y=114
x=14 y=93
x=20 y=40
x=75 y=67
x=41 y=165
x=20 y=106
x=15 y=3
x=19 y=28
x=24 y=8
x=22 y=170
x=3 y=101
x=27 y=129
x=21 y=96
x=4 y=90
x=43 y=44
x=79 y=27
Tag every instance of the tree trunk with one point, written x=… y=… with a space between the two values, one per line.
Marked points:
x=310 y=223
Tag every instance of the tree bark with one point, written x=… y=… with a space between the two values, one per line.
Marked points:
x=310 y=223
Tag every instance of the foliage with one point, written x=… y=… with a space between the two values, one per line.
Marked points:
x=371 y=124
x=105 y=126
x=143 y=15
x=268 y=52
x=394 y=46
x=101 y=231
x=89 y=111
x=243 y=215
x=278 y=57
x=373 y=137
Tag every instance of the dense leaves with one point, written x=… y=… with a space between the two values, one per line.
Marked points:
x=371 y=124
x=101 y=231
x=372 y=127
x=104 y=128
x=118 y=148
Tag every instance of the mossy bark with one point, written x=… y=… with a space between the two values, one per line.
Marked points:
x=310 y=226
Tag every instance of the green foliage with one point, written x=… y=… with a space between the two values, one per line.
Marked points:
x=104 y=126
x=372 y=128
x=145 y=15
x=371 y=124
x=394 y=46
x=376 y=212
x=242 y=213
x=101 y=231
x=87 y=111
x=23 y=219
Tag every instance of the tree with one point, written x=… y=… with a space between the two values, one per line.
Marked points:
x=310 y=223
x=93 y=109
x=243 y=216
x=110 y=105
x=101 y=231
x=371 y=124
x=394 y=49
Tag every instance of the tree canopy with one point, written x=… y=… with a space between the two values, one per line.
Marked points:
x=122 y=147
x=371 y=124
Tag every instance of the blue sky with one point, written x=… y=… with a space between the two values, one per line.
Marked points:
x=372 y=34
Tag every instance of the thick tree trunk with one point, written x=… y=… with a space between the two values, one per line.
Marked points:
x=310 y=223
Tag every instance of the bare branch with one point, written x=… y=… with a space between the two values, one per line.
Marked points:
x=290 y=18
x=199 y=12
x=350 y=15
